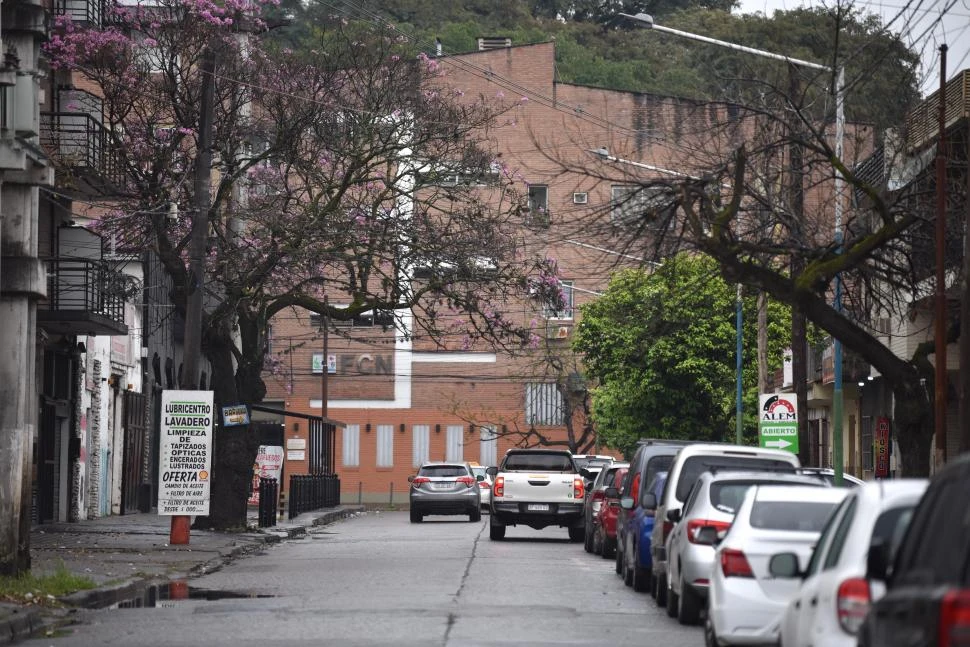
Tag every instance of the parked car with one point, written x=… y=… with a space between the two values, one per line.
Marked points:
x=927 y=600
x=484 y=484
x=590 y=465
x=690 y=463
x=712 y=502
x=828 y=474
x=833 y=595
x=604 y=523
x=745 y=603
x=635 y=522
x=595 y=494
x=445 y=488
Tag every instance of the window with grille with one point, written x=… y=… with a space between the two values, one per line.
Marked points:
x=420 y=444
x=538 y=205
x=562 y=310
x=544 y=404
x=351 y=448
x=488 y=453
x=385 y=445
x=454 y=443
x=633 y=205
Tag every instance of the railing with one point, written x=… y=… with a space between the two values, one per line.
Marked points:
x=77 y=140
x=269 y=493
x=82 y=285
x=313 y=492
x=89 y=12
x=923 y=123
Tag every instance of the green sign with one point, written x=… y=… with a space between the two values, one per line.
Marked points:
x=778 y=421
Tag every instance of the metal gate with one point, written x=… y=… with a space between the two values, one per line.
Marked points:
x=134 y=457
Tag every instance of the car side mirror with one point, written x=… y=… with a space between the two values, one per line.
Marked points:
x=611 y=493
x=877 y=561
x=479 y=477
x=626 y=503
x=411 y=479
x=648 y=501
x=784 y=565
x=491 y=471
x=673 y=515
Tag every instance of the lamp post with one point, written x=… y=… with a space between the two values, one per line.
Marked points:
x=646 y=20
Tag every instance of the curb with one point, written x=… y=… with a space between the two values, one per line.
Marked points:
x=20 y=624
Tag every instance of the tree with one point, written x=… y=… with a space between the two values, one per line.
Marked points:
x=325 y=185
x=661 y=345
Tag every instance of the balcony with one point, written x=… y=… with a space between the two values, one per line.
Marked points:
x=85 y=297
x=92 y=13
x=80 y=144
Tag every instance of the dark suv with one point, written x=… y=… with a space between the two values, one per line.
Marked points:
x=652 y=458
x=927 y=601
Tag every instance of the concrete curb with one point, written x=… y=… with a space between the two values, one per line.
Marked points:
x=19 y=623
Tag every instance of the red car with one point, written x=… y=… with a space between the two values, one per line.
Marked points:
x=604 y=533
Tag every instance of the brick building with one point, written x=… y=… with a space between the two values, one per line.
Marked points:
x=403 y=400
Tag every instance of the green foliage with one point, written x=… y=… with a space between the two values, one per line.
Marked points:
x=42 y=589
x=661 y=347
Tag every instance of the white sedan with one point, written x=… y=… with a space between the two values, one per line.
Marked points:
x=834 y=595
x=745 y=601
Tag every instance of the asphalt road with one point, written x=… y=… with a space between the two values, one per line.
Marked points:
x=378 y=579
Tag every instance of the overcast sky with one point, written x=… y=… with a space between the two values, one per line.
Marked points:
x=923 y=24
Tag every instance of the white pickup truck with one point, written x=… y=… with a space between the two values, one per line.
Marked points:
x=537 y=488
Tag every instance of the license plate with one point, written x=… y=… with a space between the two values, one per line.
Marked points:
x=441 y=486
x=537 y=507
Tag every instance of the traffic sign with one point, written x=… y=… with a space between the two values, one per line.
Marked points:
x=778 y=421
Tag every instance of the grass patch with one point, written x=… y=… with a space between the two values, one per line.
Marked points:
x=42 y=589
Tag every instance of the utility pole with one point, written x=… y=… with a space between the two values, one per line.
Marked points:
x=940 y=388
x=965 y=317
x=195 y=300
x=325 y=322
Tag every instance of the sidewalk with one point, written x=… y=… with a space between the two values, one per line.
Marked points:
x=124 y=554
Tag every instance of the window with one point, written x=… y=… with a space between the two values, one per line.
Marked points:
x=580 y=198
x=841 y=534
x=385 y=445
x=544 y=404
x=488 y=452
x=825 y=538
x=421 y=444
x=631 y=205
x=802 y=516
x=455 y=443
x=538 y=205
x=553 y=311
x=351 y=448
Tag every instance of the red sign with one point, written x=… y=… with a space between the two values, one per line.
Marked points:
x=880 y=448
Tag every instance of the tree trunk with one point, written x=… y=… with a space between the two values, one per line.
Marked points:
x=913 y=422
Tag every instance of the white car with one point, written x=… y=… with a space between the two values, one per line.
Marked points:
x=745 y=602
x=833 y=595
x=484 y=486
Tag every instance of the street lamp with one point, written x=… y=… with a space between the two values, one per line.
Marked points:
x=646 y=20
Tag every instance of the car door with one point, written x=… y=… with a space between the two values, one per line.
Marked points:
x=805 y=604
x=676 y=540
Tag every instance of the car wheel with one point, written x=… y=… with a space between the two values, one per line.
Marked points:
x=416 y=517
x=577 y=534
x=496 y=531
x=598 y=545
x=689 y=606
x=609 y=548
x=673 y=603
x=627 y=574
x=619 y=561
x=475 y=515
x=641 y=576
x=660 y=590
x=588 y=540
x=710 y=636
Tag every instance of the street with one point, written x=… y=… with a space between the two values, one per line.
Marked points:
x=378 y=579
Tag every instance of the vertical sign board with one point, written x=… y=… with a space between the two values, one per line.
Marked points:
x=185 y=454
x=880 y=449
x=778 y=421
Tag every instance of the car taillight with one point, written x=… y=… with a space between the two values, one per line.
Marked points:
x=852 y=604
x=483 y=485
x=668 y=526
x=418 y=480
x=735 y=564
x=597 y=499
x=467 y=481
x=954 y=619
x=579 y=488
x=694 y=527
x=498 y=487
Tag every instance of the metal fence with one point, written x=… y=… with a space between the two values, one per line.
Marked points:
x=269 y=495
x=313 y=492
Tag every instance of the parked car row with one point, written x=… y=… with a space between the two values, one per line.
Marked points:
x=759 y=549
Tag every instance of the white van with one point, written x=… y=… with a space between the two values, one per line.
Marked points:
x=689 y=463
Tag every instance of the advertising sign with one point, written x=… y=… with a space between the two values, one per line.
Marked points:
x=880 y=448
x=778 y=421
x=185 y=453
x=316 y=364
x=268 y=465
x=236 y=414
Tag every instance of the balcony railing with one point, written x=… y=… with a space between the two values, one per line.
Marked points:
x=80 y=142
x=83 y=297
x=94 y=13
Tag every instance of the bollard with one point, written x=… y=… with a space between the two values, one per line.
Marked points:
x=390 y=493
x=360 y=493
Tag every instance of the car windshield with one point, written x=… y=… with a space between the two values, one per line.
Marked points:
x=803 y=516
x=539 y=462
x=443 y=471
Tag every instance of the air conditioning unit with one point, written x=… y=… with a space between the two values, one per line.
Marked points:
x=580 y=198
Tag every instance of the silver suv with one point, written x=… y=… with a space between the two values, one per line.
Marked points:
x=707 y=514
x=689 y=463
x=445 y=488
